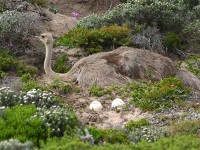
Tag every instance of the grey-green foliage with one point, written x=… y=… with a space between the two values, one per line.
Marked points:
x=17 y=27
x=59 y=120
x=148 y=133
x=149 y=38
x=166 y=15
x=14 y=144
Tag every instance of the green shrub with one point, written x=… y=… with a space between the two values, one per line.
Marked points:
x=7 y=62
x=61 y=64
x=193 y=63
x=26 y=77
x=159 y=95
x=13 y=144
x=16 y=123
x=185 y=127
x=173 y=143
x=167 y=15
x=59 y=120
x=172 y=41
x=17 y=28
x=131 y=125
x=2 y=7
x=60 y=86
x=98 y=91
x=108 y=136
x=41 y=99
x=31 y=84
x=64 y=143
x=11 y=64
x=96 y=40
x=8 y=98
x=148 y=133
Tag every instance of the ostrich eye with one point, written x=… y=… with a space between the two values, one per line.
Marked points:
x=42 y=36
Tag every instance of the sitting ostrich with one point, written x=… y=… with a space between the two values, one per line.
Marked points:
x=119 y=66
x=47 y=39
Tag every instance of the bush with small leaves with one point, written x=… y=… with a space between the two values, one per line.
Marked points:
x=169 y=15
x=96 y=40
x=60 y=86
x=8 y=98
x=172 y=41
x=185 y=127
x=59 y=120
x=16 y=29
x=109 y=136
x=11 y=64
x=14 y=144
x=61 y=65
x=132 y=125
x=149 y=134
x=149 y=38
x=41 y=99
x=16 y=123
x=193 y=63
x=156 y=96
x=99 y=91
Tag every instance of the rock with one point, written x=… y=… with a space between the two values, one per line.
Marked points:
x=96 y=106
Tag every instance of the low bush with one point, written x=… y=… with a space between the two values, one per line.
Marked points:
x=16 y=30
x=173 y=143
x=16 y=123
x=96 y=40
x=147 y=133
x=131 y=125
x=172 y=41
x=149 y=38
x=185 y=127
x=61 y=65
x=60 y=86
x=193 y=63
x=13 y=144
x=59 y=120
x=11 y=64
x=152 y=96
x=99 y=91
x=108 y=136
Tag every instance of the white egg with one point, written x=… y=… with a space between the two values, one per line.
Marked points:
x=117 y=103
x=96 y=106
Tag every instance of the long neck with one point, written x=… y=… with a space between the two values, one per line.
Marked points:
x=47 y=61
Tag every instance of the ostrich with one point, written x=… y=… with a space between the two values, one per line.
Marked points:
x=47 y=39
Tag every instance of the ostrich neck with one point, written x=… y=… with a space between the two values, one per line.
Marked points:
x=47 y=61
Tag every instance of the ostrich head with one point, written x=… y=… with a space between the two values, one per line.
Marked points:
x=46 y=38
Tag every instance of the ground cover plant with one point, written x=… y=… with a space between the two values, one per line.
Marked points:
x=9 y=63
x=150 y=95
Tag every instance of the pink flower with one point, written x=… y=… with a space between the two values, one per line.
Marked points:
x=75 y=14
